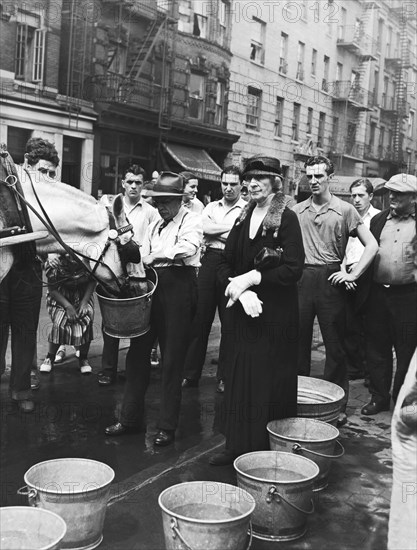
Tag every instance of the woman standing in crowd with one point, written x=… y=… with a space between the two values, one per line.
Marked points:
x=190 y=200
x=71 y=308
x=263 y=260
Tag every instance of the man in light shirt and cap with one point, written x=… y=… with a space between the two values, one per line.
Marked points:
x=391 y=294
x=171 y=246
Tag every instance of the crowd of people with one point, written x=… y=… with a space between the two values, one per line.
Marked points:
x=269 y=266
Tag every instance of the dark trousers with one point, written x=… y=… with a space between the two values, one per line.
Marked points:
x=390 y=320
x=354 y=340
x=173 y=308
x=110 y=355
x=20 y=301
x=210 y=297
x=317 y=297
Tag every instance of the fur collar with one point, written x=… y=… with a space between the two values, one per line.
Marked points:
x=273 y=217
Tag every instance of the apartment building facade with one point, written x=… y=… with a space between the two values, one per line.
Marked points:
x=32 y=100
x=314 y=77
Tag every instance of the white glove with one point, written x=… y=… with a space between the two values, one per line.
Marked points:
x=251 y=303
x=241 y=283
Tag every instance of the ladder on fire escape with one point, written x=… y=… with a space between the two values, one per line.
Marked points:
x=161 y=29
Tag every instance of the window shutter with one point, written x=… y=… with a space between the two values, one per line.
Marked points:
x=38 y=55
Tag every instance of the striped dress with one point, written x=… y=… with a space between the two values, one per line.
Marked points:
x=73 y=289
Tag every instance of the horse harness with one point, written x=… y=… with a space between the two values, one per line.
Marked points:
x=17 y=213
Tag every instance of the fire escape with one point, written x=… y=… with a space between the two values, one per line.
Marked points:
x=396 y=107
x=350 y=98
x=136 y=86
x=77 y=30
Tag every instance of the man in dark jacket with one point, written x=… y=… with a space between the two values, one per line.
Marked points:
x=391 y=294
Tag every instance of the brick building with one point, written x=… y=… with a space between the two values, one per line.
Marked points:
x=335 y=77
x=158 y=74
x=33 y=102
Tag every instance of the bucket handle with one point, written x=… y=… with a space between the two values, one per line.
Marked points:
x=29 y=492
x=296 y=448
x=273 y=494
x=176 y=533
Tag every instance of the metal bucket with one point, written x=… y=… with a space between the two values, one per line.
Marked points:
x=22 y=527
x=76 y=489
x=206 y=515
x=128 y=317
x=319 y=399
x=310 y=438
x=282 y=486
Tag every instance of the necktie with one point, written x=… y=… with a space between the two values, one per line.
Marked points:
x=163 y=225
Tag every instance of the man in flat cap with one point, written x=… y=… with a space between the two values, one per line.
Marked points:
x=391 y=295
x=326 y=223
x=171 y=246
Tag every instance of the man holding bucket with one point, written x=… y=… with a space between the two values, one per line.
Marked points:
x=172 y=247
x=140 y=214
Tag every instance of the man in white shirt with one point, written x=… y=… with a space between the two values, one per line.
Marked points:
x=172 y=247
x=218 y=219
x=140 y=214
x=361 y=192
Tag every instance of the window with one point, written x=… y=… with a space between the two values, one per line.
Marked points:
x=253 y=109
x=309 y=120
x=220 y=94
x=339 y=72
x=389 y=42
x=341 y=28
x=279 y=109
x=381 y=141
x=197 y=94
x=372 y=131
x=200 y=26
x=257 y=40
x=222 y=18
x=320 y=134
x=116 y=58
x=283 y=52
x=411 y=124
x=380 y=33
x=376 y=86
x=326 y=63
x=313 y=62
x=351 y=138
x=30 y=53
x=296 y=122
x=300 y=61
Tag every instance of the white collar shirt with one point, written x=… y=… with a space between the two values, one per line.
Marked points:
x=140 y=216
x=179 y=241
x=355 y=248
x=221 y=213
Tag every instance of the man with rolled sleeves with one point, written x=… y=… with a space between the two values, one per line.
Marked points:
x=391 y=306
x=218 y=219
x=326 y=223
x=171 y=246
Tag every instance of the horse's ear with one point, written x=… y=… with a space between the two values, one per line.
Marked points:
x=118 y=209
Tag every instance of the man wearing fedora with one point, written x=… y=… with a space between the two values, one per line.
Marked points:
x=171 y=246
x=391 y=294
x=326 y=223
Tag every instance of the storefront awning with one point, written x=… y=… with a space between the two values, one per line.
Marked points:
x=195 y=160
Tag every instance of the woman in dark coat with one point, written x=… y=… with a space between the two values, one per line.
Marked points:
x=261 y=325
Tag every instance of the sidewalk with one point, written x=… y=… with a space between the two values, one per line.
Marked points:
x=73 y=410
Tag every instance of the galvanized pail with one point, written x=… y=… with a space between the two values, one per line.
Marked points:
x=310 y=438
x=128 y=317
x=76 y=489
x=319 y=399
x=282 y=486
x=22 y=527
x=206 y=515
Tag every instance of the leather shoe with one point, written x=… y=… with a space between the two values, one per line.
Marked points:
x=188 y=383
x=220 y=387
x=342 y=420
x=121 y=429
x=374 y=407
x=223 y=459
x=164 y=438
x=25 y=405
x=34 y=381
x=106 y=380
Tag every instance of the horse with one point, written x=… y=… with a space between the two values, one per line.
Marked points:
x=81 y=222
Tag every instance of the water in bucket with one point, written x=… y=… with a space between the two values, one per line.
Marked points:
x=23 y=527
x=206 y=515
